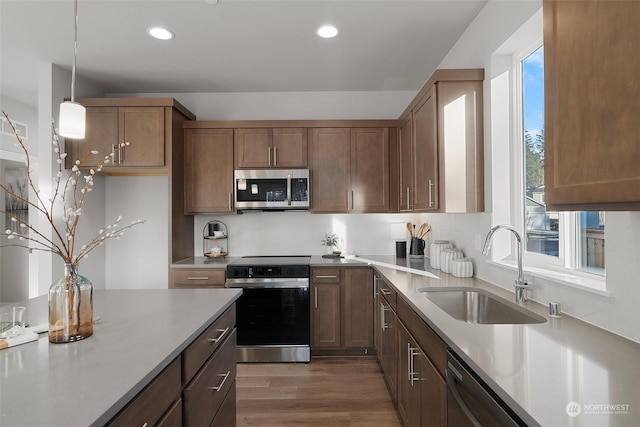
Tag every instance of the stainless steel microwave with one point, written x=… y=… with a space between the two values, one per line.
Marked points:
x=272 y=189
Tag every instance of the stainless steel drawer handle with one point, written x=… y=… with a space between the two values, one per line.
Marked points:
x=198 y=278
x=218 y=388
x=385 y=291
x=326 y=277
x=223 y=333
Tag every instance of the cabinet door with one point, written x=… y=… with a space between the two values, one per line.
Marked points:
x=289 y=148
x=461 y=148
x=433 y=394
x=408 y=385
x=101 y=135
x=425 y=164
x=143 y=127
x=405 y=181
x=591 y=105
x=253 y=148
x=331 y=169
x=326 y=315
x=370 y=169
x=389 y=347
x=358 y=308
x=209 y=170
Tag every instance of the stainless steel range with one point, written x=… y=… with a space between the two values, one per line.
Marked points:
x=273 y=312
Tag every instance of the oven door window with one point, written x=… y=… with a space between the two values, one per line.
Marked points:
x=271 y=316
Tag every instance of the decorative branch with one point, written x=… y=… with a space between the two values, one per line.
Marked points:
x=72 y=197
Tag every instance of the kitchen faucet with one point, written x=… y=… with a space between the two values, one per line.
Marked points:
x=520 y=285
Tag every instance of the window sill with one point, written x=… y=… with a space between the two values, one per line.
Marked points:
x=569 y=278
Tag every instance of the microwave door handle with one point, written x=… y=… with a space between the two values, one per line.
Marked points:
x=289 y=189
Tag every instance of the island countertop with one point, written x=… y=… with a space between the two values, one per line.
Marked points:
x=139 y=332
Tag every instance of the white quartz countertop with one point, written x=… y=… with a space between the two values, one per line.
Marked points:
x=537 y=369
x=87 y=382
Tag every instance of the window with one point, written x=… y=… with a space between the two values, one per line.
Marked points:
x=558 y=239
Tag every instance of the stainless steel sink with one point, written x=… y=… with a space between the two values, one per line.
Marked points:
x=473 y=305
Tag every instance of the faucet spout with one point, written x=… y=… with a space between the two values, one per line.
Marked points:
x=520 y=284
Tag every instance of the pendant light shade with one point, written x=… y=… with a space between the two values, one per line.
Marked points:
x=72 y=120
x=71 y=123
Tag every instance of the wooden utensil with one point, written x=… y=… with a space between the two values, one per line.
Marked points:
x=420 y=230
x=410 y=228
x=425 y=230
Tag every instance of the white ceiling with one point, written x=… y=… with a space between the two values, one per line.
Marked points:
x=231 y=46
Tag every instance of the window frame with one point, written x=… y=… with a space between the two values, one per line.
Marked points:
x=566 y=268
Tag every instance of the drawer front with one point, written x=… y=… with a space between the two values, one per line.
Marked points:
x=204 y=396
x=173 y=417
x=226 y=416
x=388 y=293
x=150 y=405
x=206 y=344
x=326 y=275
x=198 y=278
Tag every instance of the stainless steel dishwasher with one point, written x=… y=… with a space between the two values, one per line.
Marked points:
x=470 y=402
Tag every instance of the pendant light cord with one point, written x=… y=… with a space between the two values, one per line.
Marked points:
x=75 y=52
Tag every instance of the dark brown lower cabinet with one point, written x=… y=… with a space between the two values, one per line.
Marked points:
x=206 y=393
x=408 y=384
x=422 y=390
x=342 y=305
x=387 y=335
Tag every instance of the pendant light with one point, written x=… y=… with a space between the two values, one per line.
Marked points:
x=73 y=115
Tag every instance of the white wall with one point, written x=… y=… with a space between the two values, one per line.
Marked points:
x=14 y=262
x=290 y=233
x=140 y=258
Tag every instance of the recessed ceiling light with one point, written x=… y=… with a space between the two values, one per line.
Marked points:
x=160 y=33
x=327 y=31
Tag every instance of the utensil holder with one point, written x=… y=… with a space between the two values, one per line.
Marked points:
x=417 y=248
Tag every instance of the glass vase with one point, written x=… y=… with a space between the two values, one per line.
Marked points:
x=70 y=307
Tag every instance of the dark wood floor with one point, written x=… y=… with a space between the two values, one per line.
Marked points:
x=326 y=392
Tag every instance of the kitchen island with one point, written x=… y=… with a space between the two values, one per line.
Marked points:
x=137 y=334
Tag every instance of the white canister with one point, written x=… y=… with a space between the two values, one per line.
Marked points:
x=448 y=255
x=462 y=267
x=435 y=250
